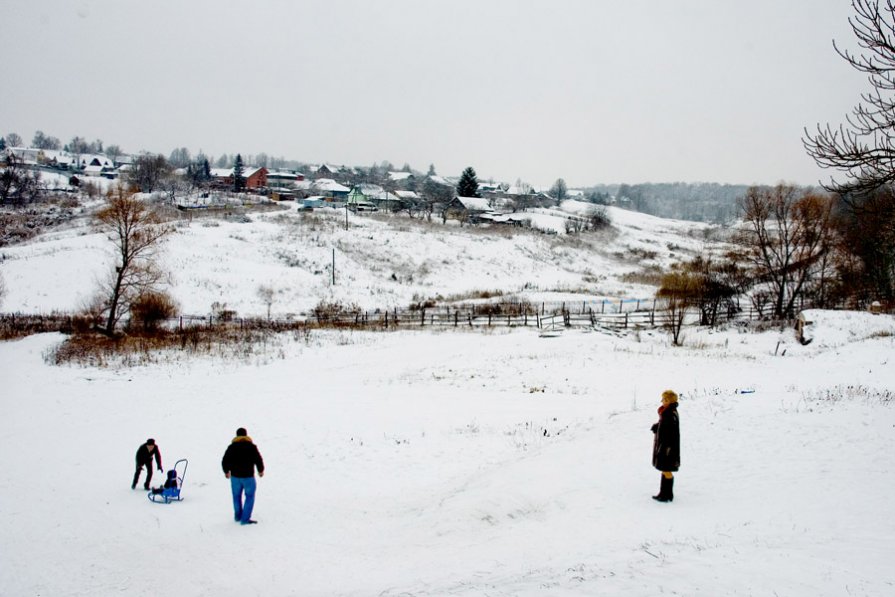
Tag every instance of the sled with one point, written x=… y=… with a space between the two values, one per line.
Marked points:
x=170 y=491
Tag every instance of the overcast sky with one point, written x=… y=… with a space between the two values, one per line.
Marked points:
x=591 y=91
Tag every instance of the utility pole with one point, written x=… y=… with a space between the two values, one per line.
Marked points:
x=334 y=267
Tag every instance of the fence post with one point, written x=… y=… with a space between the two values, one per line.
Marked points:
x=456 y=318
x=626 y=321
x=422 y=317
x=603 y=307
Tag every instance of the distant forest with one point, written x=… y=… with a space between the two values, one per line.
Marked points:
x=700 y=201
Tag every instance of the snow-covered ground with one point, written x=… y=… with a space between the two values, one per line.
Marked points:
x=472 y=463
x=380 y=261
x=443 y=463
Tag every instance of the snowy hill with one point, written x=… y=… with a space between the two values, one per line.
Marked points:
x=381 y=261
x=449 y=463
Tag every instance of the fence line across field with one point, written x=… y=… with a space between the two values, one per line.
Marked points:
x=511 y=315
x=619 y=314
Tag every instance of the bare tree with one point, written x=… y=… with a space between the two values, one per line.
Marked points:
x=266 y=294
x=136 y=232
x=78 y=145
x=787 y=234
x=180 y=158
x=43 y=141
x=173 y=184
x=113 y=152
x=559 y=190
x=863 y=148
x=9 y=176
x=148 y=171
x=680 y=290
x=14 y=140
x=866 y=255
x=18 y=184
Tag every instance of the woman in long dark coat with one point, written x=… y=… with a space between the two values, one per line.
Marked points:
x=667 y=445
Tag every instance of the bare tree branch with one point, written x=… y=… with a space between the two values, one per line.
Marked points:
x=863 y=148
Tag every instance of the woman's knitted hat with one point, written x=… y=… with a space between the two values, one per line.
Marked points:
x=669 y=396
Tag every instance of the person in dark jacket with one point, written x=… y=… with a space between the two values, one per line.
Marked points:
x=667 y=445
x=145 y=454
x=239 y=463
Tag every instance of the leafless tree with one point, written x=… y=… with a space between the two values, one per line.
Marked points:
x=680 y=291
x=863 y=147
x=136 y=232
x=113 y=152
x=18 y=184
x=786 y=237
x=9 y=176
x=43 y=141
x=172 y=184
x=148 y=171
x=559 y=190
x=14 y=140
x=266 y=294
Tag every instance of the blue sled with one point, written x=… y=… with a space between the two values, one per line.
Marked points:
x=170 y=491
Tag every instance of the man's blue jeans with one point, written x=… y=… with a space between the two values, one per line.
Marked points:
x=242 y=512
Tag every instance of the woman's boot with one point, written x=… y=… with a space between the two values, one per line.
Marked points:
x=665 y=494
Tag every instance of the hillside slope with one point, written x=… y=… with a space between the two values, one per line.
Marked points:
x=381 y=261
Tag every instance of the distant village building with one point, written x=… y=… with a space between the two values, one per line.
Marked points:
x=327 y=171
x=376 y=196
x=328 y=187
x=466 y=209
x=411 y=196
x=281 y=178
x=255 y=178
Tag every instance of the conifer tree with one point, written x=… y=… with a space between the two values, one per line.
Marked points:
x=239 y=181
x=469 y=184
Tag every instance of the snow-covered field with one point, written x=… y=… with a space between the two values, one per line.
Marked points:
x=447 y=463
x=380 y=261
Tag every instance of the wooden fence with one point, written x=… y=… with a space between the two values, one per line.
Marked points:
x=614 y=315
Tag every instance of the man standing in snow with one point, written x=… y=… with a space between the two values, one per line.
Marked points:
x=239 y=463
x=145 y=454
x=667 y=445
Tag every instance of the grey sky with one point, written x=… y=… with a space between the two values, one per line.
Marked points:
x=592 y=91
